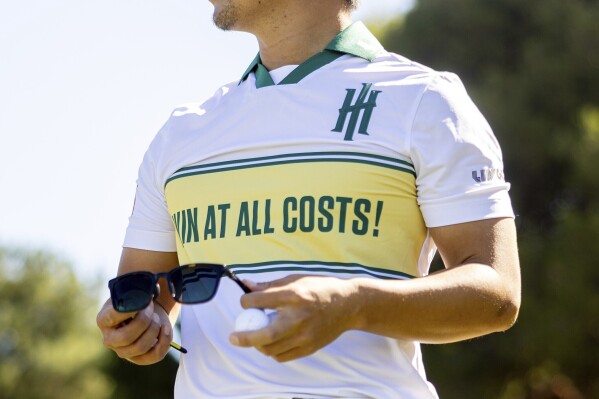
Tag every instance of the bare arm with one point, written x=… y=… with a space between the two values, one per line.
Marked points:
x=143 y=337
x=478 y=293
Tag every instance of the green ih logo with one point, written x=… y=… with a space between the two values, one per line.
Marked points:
x=354 y=109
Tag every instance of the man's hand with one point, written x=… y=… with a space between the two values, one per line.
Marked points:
x=142 y=338
x=312 y=312
x=477 y=294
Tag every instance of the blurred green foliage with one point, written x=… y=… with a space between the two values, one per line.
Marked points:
x=533 y=69
x=130 y=381
x=50 y=346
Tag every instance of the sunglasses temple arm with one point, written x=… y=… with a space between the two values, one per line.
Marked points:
x=240 y=283
x=178 y=347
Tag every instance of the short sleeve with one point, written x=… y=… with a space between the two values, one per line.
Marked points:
x=150 y=226
x=458 y=161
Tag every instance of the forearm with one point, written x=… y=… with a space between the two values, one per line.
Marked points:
x=456 y=304
x=478 y=293
x=166 y=302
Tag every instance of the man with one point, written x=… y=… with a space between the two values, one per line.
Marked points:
x=326 y=177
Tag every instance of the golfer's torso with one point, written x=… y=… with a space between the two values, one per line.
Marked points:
x=316 y=171
x=310 y=178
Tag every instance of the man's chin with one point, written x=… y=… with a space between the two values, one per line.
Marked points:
x=224 y=19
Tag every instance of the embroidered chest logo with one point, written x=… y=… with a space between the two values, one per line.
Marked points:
x=354 y=111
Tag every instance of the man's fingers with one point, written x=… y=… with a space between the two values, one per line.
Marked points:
x=139 y=337
x=262 y=286
x=144 y=343
x=282 y=348
x=262 y=300
x=124 y=334
x=272 y=298
x=110 y=318
x=264 y=336
x=271 y=294
x=156 y=353
x=293 y=354
x=278 y=347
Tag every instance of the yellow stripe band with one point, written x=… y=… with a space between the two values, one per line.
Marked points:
x=332 y=212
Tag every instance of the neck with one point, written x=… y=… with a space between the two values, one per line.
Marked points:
x=301 y=35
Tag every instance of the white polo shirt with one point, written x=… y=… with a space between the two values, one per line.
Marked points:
x=337 y=170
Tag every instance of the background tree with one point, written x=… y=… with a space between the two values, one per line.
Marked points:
x=533 y=69
x=131 y=381
x=50 y=346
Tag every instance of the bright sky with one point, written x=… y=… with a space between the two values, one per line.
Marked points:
x=84 y=86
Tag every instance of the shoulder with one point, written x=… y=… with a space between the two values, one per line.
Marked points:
x=389 y=68
x=405 y=71
x=407 y=78
x=183 y=127
x=430 y=91
x=193 y=109
x=188 y=117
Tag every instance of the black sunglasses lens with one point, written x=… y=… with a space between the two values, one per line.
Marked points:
x=133 y=292
x=195 y=283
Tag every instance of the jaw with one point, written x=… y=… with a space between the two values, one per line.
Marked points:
x=252 y=16
x=226 y=14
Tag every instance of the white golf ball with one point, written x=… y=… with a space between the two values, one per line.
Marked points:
x=251 y=319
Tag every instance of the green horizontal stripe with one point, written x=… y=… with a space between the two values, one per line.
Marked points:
x=350 y=268
x=362 y=161
x=299 y=154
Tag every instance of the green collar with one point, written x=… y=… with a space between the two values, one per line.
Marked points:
x=355 y=40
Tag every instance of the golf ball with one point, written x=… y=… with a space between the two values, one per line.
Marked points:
x=251 y=319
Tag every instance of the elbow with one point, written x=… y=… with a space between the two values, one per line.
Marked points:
x=507 y=314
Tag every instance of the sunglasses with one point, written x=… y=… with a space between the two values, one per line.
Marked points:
x=188 y=284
